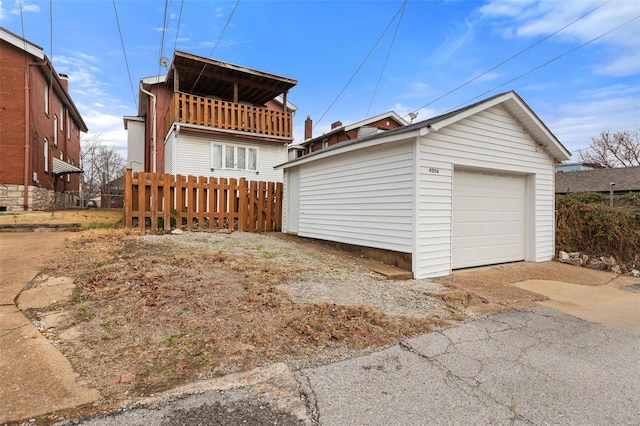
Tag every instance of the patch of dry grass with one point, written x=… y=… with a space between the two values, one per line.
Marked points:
x=82 y=216
x=169 y=316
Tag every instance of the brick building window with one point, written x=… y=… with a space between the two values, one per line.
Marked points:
x=55 y=130
x=46 y=154
x=46 y=99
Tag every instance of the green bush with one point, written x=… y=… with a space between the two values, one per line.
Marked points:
x=587 y=225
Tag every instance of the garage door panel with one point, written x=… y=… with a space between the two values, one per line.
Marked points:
x=488 y=218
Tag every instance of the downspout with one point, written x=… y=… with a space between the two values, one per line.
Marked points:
x=155 y=153
x=27 y=125
x=27 y=132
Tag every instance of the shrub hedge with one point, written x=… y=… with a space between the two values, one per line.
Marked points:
x=586 y=223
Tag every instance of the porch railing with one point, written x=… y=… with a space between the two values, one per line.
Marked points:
x=210 y=112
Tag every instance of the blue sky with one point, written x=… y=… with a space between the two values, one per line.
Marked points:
x=438 y=46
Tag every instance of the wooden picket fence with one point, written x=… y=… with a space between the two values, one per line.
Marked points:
x=154 y=201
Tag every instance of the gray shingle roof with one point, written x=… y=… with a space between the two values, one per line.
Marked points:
x=626 y=179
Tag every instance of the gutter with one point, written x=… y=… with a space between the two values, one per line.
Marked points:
x=27 y=132
x=155 y=154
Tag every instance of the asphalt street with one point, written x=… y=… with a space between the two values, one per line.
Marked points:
x=531 y=366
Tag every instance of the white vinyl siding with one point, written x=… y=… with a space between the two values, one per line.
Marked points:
x=362 y=198
x=432 y=253
x=492 y=140
x=135 y=146
x=195 y=155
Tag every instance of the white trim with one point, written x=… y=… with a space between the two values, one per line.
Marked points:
x=223 y=151
x=346 y=147
x=24 y=45
x=232 y=132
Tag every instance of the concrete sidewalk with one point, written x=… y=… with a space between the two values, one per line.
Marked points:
x=36 y=378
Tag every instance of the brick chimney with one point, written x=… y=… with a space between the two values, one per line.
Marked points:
x=336 y=124
x=64 y=78
x=308 y=127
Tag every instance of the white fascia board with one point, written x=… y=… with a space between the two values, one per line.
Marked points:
x=156 y=79
x=388 y=114
x=127 y=118
x=21 y=44
x=349 y=148
x=290 y=106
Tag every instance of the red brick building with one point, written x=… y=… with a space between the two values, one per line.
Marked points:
x=39 y=130
x=340 y=133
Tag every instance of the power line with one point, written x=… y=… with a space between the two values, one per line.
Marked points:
x=178 y=27
x=362 y=63
x=384 y=65
x=216 y=45
x=124 y=52
x=163 y=32
x=511 y=57
x=547 y=62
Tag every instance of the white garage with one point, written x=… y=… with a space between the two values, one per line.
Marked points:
x=468 y=188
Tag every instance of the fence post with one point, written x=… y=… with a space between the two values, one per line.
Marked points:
x=128 y=198
x=153 y=192
x=278 y=202
x=142 y=200
x=242 y=207
x=167 y=201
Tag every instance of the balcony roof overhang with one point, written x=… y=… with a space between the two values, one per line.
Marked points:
x=210 y=77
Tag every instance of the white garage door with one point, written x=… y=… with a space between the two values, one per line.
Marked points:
x=488 y=218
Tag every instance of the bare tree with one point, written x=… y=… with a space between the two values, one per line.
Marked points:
x=101 y=164
x=620 y=149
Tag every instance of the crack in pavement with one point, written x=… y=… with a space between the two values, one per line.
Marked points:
x=470 y=386
x=309 y=395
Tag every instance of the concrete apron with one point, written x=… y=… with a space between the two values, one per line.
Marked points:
x=600 y=304
x=36 y=378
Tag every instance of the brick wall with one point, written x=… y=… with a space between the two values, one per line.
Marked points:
x=13 y=62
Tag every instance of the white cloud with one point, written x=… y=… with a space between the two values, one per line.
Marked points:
x=613 y=108
x=3 y=12
x=541 y=18
x=94 y=98
x=453 y=42
x=26 y=8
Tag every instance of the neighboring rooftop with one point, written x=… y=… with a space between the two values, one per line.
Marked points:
x=626 y=179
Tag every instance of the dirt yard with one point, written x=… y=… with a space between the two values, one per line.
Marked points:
x=151 y=312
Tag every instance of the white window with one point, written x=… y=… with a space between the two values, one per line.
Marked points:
x=62 y=155
x=46 y=99
x=325 y=143
x=46 y=154
x=62 y=118
x=229 y=157
x=252 y=162
x=241 y=158
x=233 y=157
x=216 y=156
x=68 y=127
x=55 y=130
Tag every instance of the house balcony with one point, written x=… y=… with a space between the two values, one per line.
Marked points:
x=228 y=116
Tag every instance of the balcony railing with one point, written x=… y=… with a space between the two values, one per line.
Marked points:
x=220 y=114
